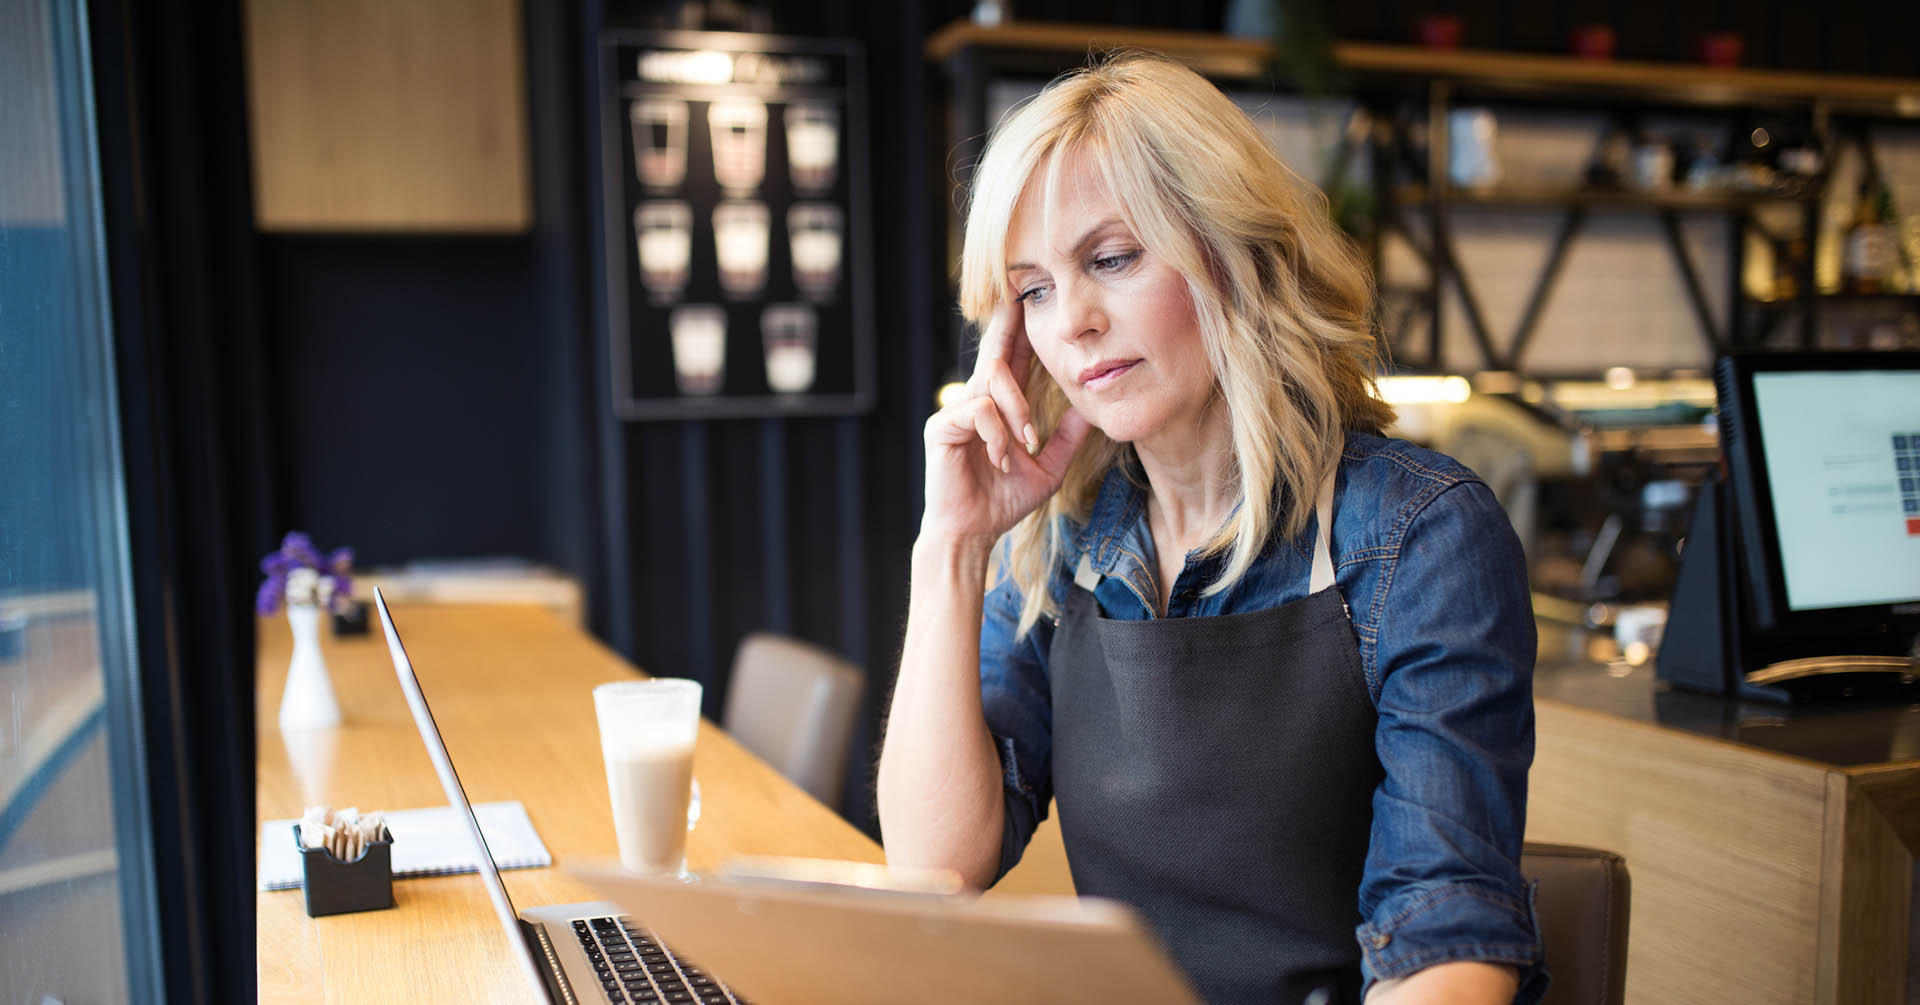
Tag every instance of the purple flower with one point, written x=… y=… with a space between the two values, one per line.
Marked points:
x=342 y=596
x=299 y=547
x=272 y=592
x=297 y=552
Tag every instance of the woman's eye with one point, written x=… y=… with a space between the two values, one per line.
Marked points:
x=1114 y=263
x=1032 y=295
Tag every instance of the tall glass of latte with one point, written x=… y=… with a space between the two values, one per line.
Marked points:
x=647 y=731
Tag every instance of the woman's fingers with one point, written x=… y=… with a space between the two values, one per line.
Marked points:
x=1063 y=444
x=1011 y=400
x=975 y=420
x=1002 y=342
x=992 y=429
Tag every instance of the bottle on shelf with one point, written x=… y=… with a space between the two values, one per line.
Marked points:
x=1870 y=252
x=1758 y=276
x=1786 y=269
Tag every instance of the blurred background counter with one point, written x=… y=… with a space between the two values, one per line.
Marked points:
x=1771 y=846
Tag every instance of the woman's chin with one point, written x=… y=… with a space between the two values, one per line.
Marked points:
x=1120 y=428
x=1129 y=418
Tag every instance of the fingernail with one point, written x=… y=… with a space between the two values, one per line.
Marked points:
x=1033 y=439
x=1006 y=465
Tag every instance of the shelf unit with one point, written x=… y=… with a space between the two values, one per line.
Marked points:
x=1403 y=89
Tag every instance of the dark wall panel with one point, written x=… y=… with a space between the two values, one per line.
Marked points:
x=739 y=546
x=1798 y=34
x=409 y=377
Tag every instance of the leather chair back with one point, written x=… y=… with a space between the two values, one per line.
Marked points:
x=1582 y=903
x=794 y=705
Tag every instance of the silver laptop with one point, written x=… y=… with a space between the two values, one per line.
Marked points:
x=573 y=953
x=792 y=931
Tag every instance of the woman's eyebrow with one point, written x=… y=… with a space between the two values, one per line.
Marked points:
x=1093 y=234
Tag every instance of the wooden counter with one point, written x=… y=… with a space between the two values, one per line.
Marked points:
x=1771 y=847
x=511 y=691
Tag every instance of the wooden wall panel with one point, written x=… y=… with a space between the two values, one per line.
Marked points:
x=1873 y=820
x=368 y=115
x=1724 y=845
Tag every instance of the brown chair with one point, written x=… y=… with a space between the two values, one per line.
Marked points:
x=794 y=705
x=1582 y=904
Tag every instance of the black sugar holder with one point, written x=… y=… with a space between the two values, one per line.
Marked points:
x=336 y=887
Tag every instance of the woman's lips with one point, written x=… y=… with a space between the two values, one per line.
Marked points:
x=1103 y=373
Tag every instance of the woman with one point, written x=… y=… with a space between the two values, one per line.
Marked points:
x=1274 y=668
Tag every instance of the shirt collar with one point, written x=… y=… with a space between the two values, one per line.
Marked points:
x=1119 y=511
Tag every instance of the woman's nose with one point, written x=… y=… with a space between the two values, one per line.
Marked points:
x=1082 y=311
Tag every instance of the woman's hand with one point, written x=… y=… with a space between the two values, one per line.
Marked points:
x=983 y=471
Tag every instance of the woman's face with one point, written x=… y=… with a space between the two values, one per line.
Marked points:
x=1111 y=321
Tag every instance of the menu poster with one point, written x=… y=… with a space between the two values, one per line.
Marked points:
x=737 y=237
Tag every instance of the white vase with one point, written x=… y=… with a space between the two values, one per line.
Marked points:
x=308 y=702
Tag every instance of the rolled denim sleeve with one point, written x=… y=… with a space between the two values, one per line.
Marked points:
x=1455 y=739
x=1018 y=704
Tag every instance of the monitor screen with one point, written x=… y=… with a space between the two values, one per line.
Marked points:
x=1842 y=464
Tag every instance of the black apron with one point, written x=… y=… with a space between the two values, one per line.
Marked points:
x=1217 y=773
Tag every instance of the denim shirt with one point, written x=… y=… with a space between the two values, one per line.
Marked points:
x=1436 y=585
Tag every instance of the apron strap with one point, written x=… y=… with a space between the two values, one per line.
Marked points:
x=1322 y=575
x=1084 y=577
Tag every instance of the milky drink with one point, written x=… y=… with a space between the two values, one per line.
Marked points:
x=648 y=784
x=647 y=733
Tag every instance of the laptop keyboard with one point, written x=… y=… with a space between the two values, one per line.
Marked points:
x=635 y=967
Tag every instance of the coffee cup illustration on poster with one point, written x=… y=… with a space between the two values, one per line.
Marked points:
x=734 y=170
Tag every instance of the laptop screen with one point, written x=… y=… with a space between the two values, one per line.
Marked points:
x=457 y=795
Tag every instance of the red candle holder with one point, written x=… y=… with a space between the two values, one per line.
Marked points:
x=1721 y=49
x=1440 y=31
x=1593 y=41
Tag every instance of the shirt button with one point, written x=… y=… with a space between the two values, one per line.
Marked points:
x=1379 y=940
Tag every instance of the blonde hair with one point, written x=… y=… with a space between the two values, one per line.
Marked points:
x=1283 y=301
